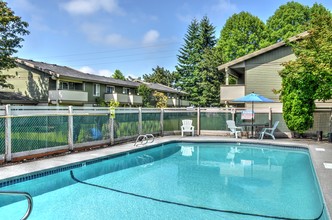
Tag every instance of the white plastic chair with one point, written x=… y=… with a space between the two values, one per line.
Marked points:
x=269 y=131
x=187 y=127
x=234 y=130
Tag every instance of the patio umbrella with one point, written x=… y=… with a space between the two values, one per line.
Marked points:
x=252 y=97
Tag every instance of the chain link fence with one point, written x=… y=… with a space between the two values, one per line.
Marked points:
x=35 y=130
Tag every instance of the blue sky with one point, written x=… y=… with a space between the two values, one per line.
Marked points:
x=134 y=36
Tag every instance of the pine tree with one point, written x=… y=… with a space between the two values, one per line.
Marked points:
x=199 y=37
x=188 y=58
x=118 y=75
x=161 y=76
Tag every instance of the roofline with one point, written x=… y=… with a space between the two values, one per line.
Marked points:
x=99 y=79
x=262 y=51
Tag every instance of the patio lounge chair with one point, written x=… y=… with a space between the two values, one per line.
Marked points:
x=234 y=130
x=269 y=131
x=187 y=127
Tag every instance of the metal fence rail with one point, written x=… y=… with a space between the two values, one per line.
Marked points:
x=30 y=130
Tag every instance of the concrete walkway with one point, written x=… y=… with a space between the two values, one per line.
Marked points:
x=321 y=154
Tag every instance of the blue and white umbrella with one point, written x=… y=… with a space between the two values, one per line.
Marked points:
x=253 y=97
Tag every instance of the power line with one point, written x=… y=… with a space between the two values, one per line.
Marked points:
x=110 y=51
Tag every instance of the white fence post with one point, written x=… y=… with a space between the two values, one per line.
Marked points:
x=70 y=128
x=198 y=121
x=270 y=117
x=8 y=138
x=162 y=122
x=140 y=120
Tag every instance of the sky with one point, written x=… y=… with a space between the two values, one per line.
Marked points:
x=133 y=36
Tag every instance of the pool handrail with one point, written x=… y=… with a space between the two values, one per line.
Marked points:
x=144 y=137
x=28 y=197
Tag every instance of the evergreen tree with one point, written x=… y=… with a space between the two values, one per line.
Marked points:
x=287 y=21
x=199 y=37
x=118 y=75
x=161 y=76
x=11 y=30
x=211 y=78
x=242 y=34
x=188 y=58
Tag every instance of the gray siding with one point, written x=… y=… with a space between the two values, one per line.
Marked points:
x=262 y=72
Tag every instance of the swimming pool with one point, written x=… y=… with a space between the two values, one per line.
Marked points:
x=176 y=180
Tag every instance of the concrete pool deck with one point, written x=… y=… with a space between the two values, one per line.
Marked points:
x=321 y=155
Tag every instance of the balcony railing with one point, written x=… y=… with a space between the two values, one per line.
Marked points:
x=124 y=98
x=67 y=96
x=230 y=92
x=184 y=103
x=172 y=102
x=136 y=99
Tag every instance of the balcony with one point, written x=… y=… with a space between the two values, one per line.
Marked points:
x=184 y=103
x=124 y=98
x=136 y=99
x=172 y=102
x=67 y=96
x=230 y=92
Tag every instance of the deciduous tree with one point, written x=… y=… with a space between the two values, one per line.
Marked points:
x=242 y=34
x=309 y=77
x=12 y=30
x=288 y=20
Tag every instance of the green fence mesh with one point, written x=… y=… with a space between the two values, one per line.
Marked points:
x=125 y=124
x=173 y=120
x=214 y=121
x=150 y=123
x=31 y=133
x=90 y=128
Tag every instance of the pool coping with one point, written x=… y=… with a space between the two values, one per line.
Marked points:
x=320 y=152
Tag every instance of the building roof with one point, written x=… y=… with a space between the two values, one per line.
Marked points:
x=163 y=88
x=262 y=51
x=67 y=72
x=15 y=98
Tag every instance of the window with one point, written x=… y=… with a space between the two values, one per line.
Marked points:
x=126 y=91
x=64 y=85
x=96 y=90
x=71 y=86
x=110 y=89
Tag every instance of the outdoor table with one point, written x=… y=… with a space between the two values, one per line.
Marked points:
x=257 y=127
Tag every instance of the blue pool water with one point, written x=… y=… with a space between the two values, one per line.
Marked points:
x=178 y=181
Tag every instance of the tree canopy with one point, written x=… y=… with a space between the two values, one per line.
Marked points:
x=309 y=77
x=145 y=92
x=12 y=30
x=199 y=38
x=161 y=76
x=288 y=20
x=242 y=34
x=118 y=75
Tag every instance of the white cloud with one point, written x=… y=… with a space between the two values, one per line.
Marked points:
x=86 y=7
x=105 y=72
x=225 y=5
x=97 y=33
x=151 y=37
x=102 y=72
